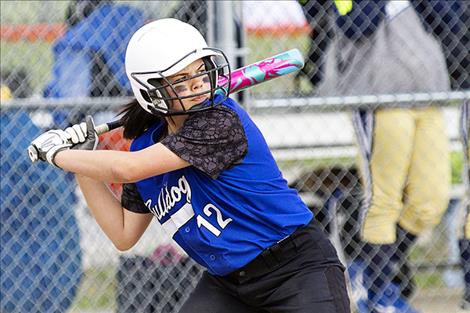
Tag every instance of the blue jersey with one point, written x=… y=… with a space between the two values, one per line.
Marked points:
x=224 y=221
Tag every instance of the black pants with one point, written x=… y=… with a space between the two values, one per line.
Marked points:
x=300 y=274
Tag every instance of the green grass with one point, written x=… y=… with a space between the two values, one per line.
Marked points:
x=34 y=58
x=32 y=11
x=429 y=280
x=456 y=160
x=313 y=164
x=97 y=290
x=261 y=47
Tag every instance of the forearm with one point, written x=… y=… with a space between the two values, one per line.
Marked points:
x=120 y=166
x=101 y=165
x=104 y=206
x=107 y=211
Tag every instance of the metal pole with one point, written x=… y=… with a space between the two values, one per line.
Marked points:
x=226 y=30
x=272 y=105
x=210 y=24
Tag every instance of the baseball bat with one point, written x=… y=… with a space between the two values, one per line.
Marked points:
x=240 y=79
x=245 y=77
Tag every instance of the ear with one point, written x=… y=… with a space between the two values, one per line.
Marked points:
x=158 y=95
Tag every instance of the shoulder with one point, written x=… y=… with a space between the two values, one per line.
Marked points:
x=216 y=119
x=211 y=140
x=219 y=111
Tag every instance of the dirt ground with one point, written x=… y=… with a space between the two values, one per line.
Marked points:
x=438 y=301
x=442 y=301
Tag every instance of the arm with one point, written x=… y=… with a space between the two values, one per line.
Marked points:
x=120 y=166
x=105 y=166
x=124 y=228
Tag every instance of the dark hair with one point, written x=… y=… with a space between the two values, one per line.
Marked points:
x=136 y=120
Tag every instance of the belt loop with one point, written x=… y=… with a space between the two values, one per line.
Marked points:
x=269 y=258
x=294 y=238
x=295 y=243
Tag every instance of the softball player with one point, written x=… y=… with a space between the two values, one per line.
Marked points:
x=201 y=167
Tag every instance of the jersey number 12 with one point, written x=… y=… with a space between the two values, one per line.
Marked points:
x=222 y=223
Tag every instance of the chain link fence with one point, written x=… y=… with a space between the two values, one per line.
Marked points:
x=62 y=60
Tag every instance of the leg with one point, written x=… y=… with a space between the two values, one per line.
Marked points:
x=383 y=294
x=307 y=277
x=210 y=297
x=395 y=271
x=316 y=268
x=387 y=173
x=427 y=191
x=429 y=180
x=464 y=245
x=320 y=291
x=402 y=272
x=390 y=158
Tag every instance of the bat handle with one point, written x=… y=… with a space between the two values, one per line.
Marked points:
x=106 y=127
x=33 y=153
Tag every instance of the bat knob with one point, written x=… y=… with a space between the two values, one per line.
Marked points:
x=33 y=153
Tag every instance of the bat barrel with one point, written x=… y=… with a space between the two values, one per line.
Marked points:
x=265 y=70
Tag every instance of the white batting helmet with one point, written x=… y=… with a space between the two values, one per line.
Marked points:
x=162 y=48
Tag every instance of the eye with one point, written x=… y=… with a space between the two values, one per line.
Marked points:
x=180 y=80
x=180 y=88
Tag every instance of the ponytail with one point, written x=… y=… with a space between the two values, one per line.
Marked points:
x=136 y=120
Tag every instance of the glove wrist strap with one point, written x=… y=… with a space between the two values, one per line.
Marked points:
x=53 y=152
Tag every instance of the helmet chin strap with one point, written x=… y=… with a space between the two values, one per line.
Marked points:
x=200 y=105
x=170 y=118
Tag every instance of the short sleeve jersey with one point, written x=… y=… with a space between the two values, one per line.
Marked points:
x=231 y=203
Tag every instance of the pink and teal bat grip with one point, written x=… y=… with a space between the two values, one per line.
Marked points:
x=247 y=76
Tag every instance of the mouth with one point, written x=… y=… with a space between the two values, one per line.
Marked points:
x=200 y=99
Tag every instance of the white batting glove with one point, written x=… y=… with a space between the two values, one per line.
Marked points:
x=79 y=136
x=46 y=146
x=77 y=133
x=83 y=135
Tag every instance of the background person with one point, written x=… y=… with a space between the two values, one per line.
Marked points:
x=40 y=258
x=384 y=48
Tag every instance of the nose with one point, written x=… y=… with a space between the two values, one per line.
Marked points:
x=198 y=82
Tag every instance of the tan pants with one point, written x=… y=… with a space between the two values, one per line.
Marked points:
x=407 y=173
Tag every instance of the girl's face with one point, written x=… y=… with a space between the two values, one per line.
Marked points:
x=184 y=88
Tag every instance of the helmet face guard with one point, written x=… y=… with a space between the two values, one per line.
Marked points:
x=154 y=85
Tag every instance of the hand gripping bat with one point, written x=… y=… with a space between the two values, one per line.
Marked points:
x=240 y=79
